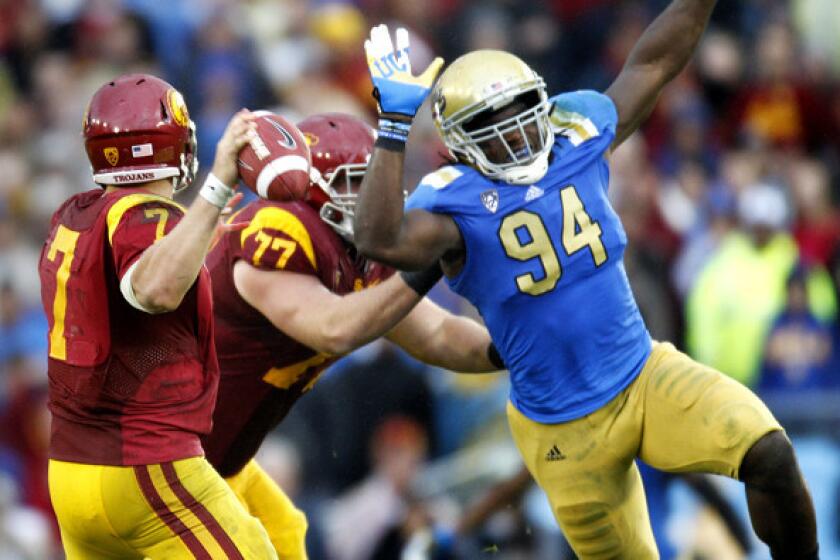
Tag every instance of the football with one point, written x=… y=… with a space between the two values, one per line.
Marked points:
x=276 y=163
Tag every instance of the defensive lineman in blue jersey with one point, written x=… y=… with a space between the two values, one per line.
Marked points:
x=522 y=227
x=530 y=295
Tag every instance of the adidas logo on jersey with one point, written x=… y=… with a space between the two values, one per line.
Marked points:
x=554 y=454
x=533 y=192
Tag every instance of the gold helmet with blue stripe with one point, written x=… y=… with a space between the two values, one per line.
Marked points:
x=479 y=84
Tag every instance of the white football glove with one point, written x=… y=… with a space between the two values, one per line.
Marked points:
x=398 y=92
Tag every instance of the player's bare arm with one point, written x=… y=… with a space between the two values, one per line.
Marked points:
x=408 y=241
x=167 y=269
x=303 y=308
x=437 y=337
x=658 y=57
x=382 y=230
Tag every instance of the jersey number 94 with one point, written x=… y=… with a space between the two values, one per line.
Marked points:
x=579 y=232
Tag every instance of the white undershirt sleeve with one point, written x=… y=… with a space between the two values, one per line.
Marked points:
x=128 y=290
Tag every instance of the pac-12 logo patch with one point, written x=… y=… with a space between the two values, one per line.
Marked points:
x=490 y=200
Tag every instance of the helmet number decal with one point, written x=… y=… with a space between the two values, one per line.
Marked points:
x=112 y=155
x=177 y=107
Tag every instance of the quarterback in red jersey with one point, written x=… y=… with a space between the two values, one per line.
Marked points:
x=291 y=296
x=133 y=374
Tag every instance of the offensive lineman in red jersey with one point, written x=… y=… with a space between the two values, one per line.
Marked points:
x=291 y=296
x=133 y=374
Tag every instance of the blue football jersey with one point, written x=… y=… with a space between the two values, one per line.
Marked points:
x=544 y=266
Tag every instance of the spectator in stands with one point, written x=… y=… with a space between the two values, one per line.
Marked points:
x=731 y=306
x=817 y=224
x=776 y=107
x=21 y=327
x=799 y=347
x=365 y=522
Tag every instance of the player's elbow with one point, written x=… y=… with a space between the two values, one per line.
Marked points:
x=369 y=246
x=158 y=298
x=370 y=242
x=336 y=340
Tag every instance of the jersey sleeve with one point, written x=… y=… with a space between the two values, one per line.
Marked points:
x=135 y=222
x=584 y=115
x=276 y=239
x=430 y=194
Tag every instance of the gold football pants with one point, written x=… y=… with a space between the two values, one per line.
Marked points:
x=677 y=416
x=177 y=510
x=263 y=498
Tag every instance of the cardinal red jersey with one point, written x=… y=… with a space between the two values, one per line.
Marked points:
x=263 y=371
x=125 y=387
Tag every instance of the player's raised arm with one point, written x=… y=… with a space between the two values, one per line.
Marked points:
x=164 y=273
x=660 y=54
x=382 y=231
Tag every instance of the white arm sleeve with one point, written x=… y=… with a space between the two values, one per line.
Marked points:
x=128 y=290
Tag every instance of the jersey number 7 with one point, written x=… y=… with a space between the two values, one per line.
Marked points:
x=579 y=231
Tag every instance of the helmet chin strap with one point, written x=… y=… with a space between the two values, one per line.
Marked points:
x=527 y=174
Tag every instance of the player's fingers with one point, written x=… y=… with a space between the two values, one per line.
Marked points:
x=428 y=76
x=402 y=40
x=231 y=227
x=240 y=121
x=232 y=203
x=240 y=140
x=402 y=48
x=381 y=38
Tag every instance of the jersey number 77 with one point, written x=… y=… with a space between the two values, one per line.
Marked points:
x=579 y=232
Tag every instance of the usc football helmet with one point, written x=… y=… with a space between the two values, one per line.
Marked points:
x=137 y=129
x=486 y=81
x=341 y=146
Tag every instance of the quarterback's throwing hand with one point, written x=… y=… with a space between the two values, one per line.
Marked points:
x=398 y=92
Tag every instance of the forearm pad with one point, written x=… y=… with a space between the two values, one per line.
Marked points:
x=494 y=356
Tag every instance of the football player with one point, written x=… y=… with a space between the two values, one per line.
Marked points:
x=525 y=230
x=132 y=365
x=291 y=296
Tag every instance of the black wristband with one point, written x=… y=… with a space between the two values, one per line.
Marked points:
x=421 y=281
x=389 y=144
x=494 y=356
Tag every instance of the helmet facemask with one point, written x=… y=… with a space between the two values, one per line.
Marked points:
x=189 y=163
x=342 y=189
x=524 y=166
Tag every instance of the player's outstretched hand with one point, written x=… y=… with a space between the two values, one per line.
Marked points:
x=397 y=91
x=240 y=130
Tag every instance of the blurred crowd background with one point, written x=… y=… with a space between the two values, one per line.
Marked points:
x=729 y=197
